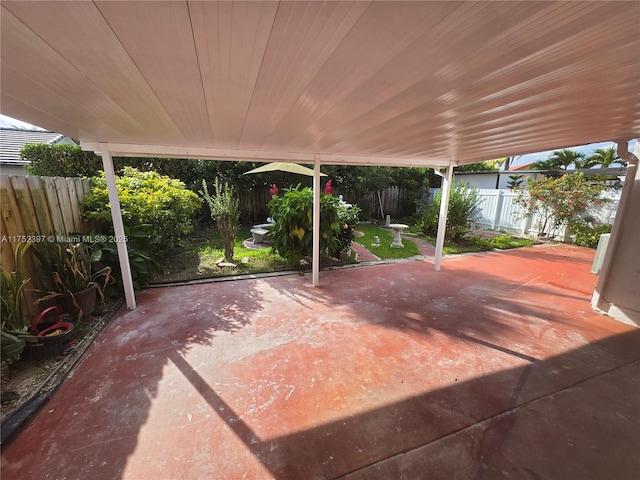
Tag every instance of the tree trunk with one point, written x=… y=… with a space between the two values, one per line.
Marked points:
x=228 y=233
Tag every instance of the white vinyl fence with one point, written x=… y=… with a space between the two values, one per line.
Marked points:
x=499 y=211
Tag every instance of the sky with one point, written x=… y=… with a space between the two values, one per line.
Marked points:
x=520 y=160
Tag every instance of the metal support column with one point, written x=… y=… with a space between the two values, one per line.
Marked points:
x=118 y=228
x=444 y=207
x=315 y=267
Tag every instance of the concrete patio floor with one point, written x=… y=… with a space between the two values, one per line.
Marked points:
x=496 y=367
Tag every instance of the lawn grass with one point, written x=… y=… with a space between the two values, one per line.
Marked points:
x=198 y=253
x=384 y=251
x=469 y=245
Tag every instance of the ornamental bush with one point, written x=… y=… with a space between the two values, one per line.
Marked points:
x=558 y=201
x=464 y=205
x=587 y=232
x=292 y=237
x=162 y=207
x=60 y=160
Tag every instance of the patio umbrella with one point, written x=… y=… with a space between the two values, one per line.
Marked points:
x=284 y=167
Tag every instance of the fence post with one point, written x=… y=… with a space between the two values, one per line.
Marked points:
x=498 y=212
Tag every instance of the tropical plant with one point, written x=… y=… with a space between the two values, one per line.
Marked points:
x=141 y=262
x=12 y=286
x=558 y=201
x=481 y=166
x=71 y=270
x=348 y=216
x=605 y=157
x=464 y=206
x=587 y=231
x=515 y=181
x=225 y=210
x=12 y=343
x=560 y=159
x=13 y=331
x=161 y=206
x=291 y=235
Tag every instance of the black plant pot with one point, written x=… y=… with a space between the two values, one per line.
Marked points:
x=54 y=336
x=84 y=304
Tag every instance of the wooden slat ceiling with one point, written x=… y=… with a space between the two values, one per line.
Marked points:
x=420 y=83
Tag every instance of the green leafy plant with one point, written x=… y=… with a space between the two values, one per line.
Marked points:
x=225 y=210
x=558 y=201
x=13 y=332
x=12 y=343
x=503 y=242
x=464 y=206
x=560 y=160
x=12 y=286
x=141 y=262
x=587 y=232
x=348 y=216
x=70 y=267
x=291 y=236
x=161 y=206
x=515 y=181
x=60 y=160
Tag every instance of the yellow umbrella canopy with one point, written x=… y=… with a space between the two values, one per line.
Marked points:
x=284 y=167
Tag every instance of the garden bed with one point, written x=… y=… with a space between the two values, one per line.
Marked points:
x=33 y=382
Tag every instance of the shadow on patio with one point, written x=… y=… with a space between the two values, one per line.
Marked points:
x=484 y=370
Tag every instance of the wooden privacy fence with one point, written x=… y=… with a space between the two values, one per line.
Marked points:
x=33 y=209
x=254 y=203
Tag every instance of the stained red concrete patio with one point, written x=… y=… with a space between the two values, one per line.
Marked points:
x=495 y=367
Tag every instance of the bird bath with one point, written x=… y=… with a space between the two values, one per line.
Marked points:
x=397 y=230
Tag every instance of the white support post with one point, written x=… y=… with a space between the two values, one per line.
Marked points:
x=498 y=211
x=315 y=266
x=444 y=207
x=118 y=228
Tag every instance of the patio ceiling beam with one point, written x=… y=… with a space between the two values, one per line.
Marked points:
x=206 y=153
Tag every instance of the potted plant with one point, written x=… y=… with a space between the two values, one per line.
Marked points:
x=73 y=283
x=13 y=331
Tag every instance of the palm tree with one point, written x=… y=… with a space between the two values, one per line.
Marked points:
x=546 y=164
x=604 y=157
x=565 y=158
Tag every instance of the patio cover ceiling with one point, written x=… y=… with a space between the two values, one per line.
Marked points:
x=380 y=83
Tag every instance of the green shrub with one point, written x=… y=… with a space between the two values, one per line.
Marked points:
x=348 y=216
x=162 y=207
x=463 y=207
x=558 y=201
x=291 y=236
x=587 y=233
x=503 y=242
x=60 y=160
x=141 y=262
